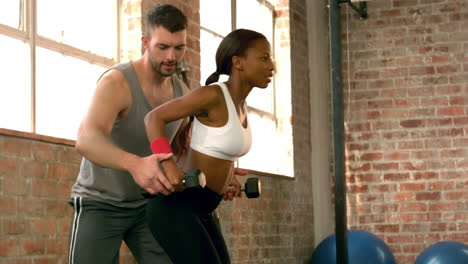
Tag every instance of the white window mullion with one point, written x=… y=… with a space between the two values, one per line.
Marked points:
x=233 y=15
x=118 y=53
x=14 y=33
x=71 y=51
x=32 y=31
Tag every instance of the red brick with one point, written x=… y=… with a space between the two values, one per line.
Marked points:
x=14 y=226
x=428 y=217
x=455 y=237
x=402 y=197
x=451 y=206
x=44 y=151
x=32 y=207
x=44 y=226
x=413 y=207
x=400 y=239
x=440 y=186
x=390 y=13
x=396 y=176
x=425 y=175
x=56 y=246
x=461 y=195
x=414 y=165
x=428 y=238
x=17 y=147
x=69 y=155
x=400 y=218
x=413 y=248
x=60 y=172
x=412 y=186
x=8 y=247
x=387 y=228
x=33 y=168
x=15 y=186
x=430 y=196
x=385 y=166
x=415 y=227
x=396 y=156
x=48 y=260
x=44 y=188
x=8 y=166
x=9 y=205
x=452 y=111
x=31 y=246
x=64 y=189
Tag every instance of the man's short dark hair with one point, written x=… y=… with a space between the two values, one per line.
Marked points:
x=168 y=16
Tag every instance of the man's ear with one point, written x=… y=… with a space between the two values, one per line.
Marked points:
x=145 y=42
x=237 y=63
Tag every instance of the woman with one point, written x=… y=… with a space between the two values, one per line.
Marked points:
x=183 y=222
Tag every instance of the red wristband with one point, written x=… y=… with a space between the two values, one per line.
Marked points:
x=161 y=145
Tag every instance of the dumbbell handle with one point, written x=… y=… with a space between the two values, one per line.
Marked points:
x=194 y=178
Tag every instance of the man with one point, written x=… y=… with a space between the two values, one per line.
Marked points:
x=118 y=165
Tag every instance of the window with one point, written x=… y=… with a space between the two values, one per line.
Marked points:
x=52 y=54
x=271 y=150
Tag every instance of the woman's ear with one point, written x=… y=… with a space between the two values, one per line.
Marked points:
x=237 y=63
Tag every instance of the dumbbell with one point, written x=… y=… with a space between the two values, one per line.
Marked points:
x=193 y=178
x=252 y=188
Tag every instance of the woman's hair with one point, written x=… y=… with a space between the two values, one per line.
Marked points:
x=168 y=16
x=235 y=43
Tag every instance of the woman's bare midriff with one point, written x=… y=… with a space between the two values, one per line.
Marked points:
x=218 y=172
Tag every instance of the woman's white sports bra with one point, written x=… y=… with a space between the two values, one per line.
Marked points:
x=228 y=142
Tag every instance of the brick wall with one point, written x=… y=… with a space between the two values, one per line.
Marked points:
x=278 y=227
x=36 y=172
x=406 y=117
x=35 y=181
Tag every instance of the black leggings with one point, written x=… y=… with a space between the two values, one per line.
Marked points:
x=185 y=226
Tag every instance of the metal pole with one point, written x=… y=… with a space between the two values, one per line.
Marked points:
x=338 y=134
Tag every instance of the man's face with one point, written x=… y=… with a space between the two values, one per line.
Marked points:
x=166 y=49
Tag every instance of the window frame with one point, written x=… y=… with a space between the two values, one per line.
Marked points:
x=27 y=32
x=273 y=115
x=260 y=112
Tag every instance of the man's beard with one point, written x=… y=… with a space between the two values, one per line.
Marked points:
x=156 y=65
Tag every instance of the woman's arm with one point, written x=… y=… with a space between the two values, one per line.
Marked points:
x=197 y=102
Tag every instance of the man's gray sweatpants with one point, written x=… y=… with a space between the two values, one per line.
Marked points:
x=98 y=229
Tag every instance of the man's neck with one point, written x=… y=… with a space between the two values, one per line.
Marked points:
x=149 y=77
x=157 y=89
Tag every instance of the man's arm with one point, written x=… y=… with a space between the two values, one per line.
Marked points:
x=110 y=101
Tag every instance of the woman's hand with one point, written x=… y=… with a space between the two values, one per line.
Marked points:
x=234 y=187
x=173 y=174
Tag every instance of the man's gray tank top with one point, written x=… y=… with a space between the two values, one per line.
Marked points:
x=114 y=186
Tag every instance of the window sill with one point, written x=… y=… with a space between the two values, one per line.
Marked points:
x=49 y=139
x=261 y=173
x=37 y=137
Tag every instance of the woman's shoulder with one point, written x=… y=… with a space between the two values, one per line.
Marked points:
x=213 y=90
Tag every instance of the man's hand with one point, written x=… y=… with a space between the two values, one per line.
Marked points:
x=234 y=188
x=148 y=175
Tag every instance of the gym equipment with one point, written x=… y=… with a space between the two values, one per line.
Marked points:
x=252 y=188
x=363 y=248
x=193 y=178
x=444 y=252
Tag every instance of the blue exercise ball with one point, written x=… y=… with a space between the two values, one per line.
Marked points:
x=444 y=252
x=363 y=248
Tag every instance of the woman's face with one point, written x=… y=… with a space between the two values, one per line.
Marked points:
x=258 y=64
